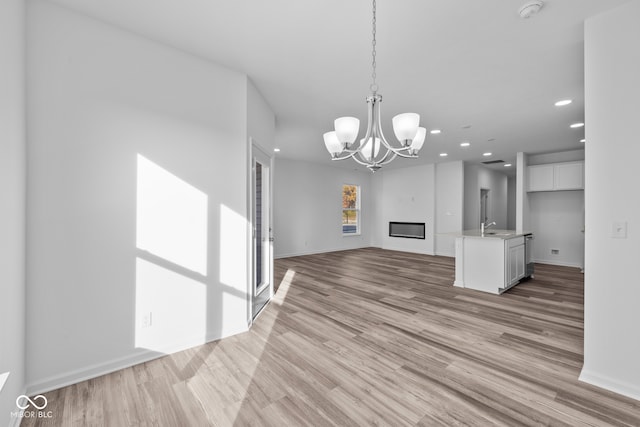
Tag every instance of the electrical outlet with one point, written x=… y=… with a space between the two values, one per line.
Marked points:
x=619 y=230
x=555 y=251
x=146 y=320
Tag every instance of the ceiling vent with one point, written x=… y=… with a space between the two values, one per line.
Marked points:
x=492 y=162
x=530 y=8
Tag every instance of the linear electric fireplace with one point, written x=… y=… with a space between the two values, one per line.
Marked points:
x=408 y=230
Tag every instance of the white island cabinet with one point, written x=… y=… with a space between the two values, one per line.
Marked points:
x=490 y=262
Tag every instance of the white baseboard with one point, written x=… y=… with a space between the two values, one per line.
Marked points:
x=96 y=370
x=602 y=381
x=558 y=263
x=403 y=249
x=319 y=251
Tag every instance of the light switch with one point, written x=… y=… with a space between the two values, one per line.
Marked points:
x=619 y=230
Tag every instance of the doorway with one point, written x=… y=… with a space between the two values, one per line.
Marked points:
x=262 y=246
x=484 y=205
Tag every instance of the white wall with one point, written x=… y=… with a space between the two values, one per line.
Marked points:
x=308 y=208
x=555 y=157
x=99 y=99
x=12 y=213
x=557 y=221
x=261 y=122
x=478 y=177
x=432 y=193
x=612 y=294
x=406 y=195
x=522 y=199
x=449 y=205
x=512 y=186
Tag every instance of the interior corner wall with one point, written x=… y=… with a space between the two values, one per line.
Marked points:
x=12 y=214
x=379 y=230
x=522 y=199
x=612 y=294
x=113 y=120
x=478 y=177
x=307 y=208
x=449 y=205
x=406 y=195
x=557 y=223
x=261 y=122
x=511 y=202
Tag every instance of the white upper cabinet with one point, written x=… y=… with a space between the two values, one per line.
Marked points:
x=541 y=178
x=569 y=176
x=556 y=176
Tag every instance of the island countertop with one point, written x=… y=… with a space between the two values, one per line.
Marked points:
x=490 y=233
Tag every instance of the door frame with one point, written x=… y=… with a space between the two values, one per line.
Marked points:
x=257 y=153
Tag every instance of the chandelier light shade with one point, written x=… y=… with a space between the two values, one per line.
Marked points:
x=374 y=151
x=347 y=129
x=368 y=147
x=333 y=144
x=405 y=126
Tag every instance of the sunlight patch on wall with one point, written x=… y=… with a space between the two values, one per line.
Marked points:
x=3 y=379
x=233 y=262
x=171 y=309
x=171 y=217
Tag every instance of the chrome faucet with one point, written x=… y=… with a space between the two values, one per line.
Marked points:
x=484 y=226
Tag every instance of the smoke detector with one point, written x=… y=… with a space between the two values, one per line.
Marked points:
x=530 y=8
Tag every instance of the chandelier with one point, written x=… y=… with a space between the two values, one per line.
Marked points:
x=373 y=151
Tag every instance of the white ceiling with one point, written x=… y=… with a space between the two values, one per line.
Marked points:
x=456 y=63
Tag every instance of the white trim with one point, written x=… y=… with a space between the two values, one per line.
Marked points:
x=560 y=264
x=75 y=376
x=413 y=251
x=322 y=251
x=602 y=381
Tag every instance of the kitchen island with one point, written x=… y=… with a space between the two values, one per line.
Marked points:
x=490 y=261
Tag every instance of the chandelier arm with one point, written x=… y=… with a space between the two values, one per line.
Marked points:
x=385 y=162
x=365 y=163
x=351 y=154
x=370 y=121
x=406 y=156
x=378 y=124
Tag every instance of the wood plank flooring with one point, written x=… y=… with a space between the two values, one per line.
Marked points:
x=371 y=337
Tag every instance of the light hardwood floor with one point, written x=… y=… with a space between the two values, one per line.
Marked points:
x=369 y=337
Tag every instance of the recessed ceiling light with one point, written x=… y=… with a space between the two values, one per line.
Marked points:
x=582 y=140
x=576 y=125
x=563 y=102
x=435 y=131
x=277 y=150
x=487 y=154
x=443 y=154
x=465 y=144
x=507 y=165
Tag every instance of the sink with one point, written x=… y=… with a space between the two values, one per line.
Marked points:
x=493 y=233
